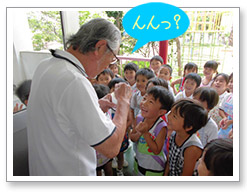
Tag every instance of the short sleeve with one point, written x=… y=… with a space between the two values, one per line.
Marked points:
x=80 y=106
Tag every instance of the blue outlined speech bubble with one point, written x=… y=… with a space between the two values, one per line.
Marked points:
x=155 y=22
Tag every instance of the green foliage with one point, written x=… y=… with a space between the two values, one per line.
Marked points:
x=46 y=27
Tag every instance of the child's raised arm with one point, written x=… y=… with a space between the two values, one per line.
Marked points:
x=175 y=83
x=157 y=144
x=191 y=155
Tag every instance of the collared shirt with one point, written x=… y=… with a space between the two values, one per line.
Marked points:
x=65 y=121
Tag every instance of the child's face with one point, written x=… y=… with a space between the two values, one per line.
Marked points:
x=219 y=84
x=155 y=65
x=207 y=71
x=164 y=73
x=114 y=69
x=150 y=108
x=204 y=103
x=175 y=121
x=230 y=85
x=130 y=75
x=190 y=86
x=202 y=169
x=104 y=79
x=141 y=82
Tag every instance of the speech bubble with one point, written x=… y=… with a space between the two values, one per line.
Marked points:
x=155 y=22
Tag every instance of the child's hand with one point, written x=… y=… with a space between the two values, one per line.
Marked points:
x=222 y=123
x=142 y=127
x=17 y=108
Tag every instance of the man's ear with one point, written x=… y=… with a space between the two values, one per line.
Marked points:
x=100 y=47
x=170 y=78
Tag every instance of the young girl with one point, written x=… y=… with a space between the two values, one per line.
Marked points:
x=226 y=112
x=129 y=75
x=188 y=68
x=210 y=67
x=150 y=132
x=114 y=68
x=155 y=64
x=220 y=85
x=185 y=118
x=217 y=159
x=191 y=82
x=165 y=73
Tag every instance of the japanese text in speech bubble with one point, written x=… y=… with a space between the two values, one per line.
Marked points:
x=155 y=22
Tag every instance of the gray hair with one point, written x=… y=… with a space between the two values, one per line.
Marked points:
x=93 y=31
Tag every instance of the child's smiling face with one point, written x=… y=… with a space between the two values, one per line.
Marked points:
x=155 y=65
x=130 y=75
x=190 y=86
x=141 y=82
x=175 y=121
x=150 y=108
x=164 y=73
x=220 y=84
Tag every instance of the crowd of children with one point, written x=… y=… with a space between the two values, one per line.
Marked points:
x=174 y=131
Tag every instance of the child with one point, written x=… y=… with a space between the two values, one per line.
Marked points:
x=142 y=77
x=188 y=68
x=191 y=82
x=120 y=162
x=105 y=77
x=165 y=73
x=114 y=68
x=226 y=112
x=103 y=163
x=185 y=118
x=209 y=98
x=155 y=64
x=220 y=85
x=217 y=159
x=129 y=75
x=150 y=132
x=210 y=67
x=23 y=92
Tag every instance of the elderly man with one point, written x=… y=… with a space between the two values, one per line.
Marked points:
x=66 y=122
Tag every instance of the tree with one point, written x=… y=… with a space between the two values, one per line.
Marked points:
x=46 y=27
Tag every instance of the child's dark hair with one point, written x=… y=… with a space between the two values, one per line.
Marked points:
x=196 y=77
x=114 y=81
x=209 y=95
x=169 y=68
x=157 y=81
x=212 y=64
x=106 y=71
x=145 y=72
x=218 y=157
x=165 y=97
x=23 y=90
x=191 y=66
x=194 y=114
x=131 y=66
x=101 y=90
x=158 y=58
x=224 y=75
